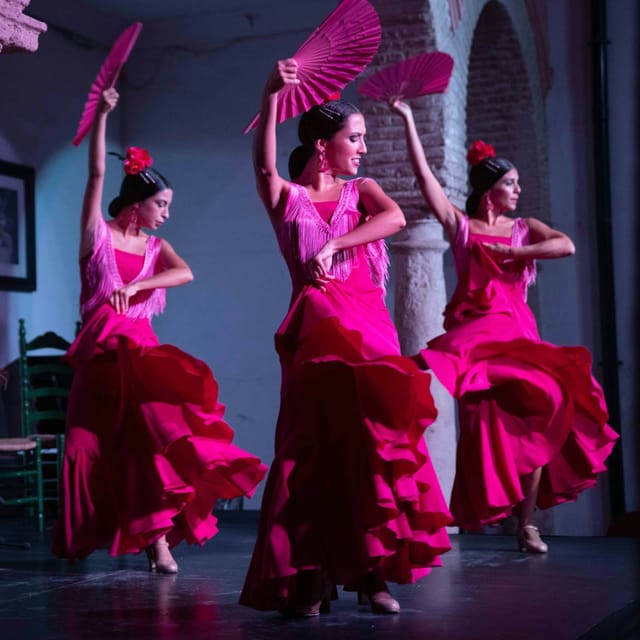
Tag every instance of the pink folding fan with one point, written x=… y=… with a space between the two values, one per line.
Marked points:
x=417 y=76
x=107 y=77
x=333 y=55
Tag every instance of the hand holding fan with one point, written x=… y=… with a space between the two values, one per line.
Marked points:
x=420 y=75
x=107 y=77
x=333 y=55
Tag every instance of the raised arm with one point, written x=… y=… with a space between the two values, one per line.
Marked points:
x=175 y=273
x=432 y=191
x=92 y=203
x=269 y=183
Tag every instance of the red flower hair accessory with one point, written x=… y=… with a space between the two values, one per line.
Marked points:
x=478 y=151
x=136 y=160
x=334 y=96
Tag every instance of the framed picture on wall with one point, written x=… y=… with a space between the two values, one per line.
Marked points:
x=17 y=228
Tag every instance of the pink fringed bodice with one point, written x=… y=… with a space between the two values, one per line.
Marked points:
x=101 y=276
x=303 y=232
x=519 y=238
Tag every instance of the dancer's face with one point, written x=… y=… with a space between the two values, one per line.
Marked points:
x=346 y=148
x=154 y=211
x=505 y=193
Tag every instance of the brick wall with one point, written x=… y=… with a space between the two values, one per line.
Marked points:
x=494 y=94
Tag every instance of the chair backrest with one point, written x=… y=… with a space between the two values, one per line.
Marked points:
x=45 y=382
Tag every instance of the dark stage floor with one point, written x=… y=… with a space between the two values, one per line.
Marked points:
x=585 y=588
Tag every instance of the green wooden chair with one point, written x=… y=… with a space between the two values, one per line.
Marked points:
x=21 y=474
x=45 y=381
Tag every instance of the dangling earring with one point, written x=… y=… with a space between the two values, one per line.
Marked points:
x=488 y=205
x=133 y=219
x=323 y=165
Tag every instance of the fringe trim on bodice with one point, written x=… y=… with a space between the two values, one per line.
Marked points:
x=302 y=233
x=103 y=277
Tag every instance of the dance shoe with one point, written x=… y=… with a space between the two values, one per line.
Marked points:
x=529 y=540
x=312 y=596
x=167 y=564
x=375 y=593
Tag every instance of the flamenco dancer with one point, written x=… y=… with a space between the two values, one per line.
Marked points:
x=533 y=420
x=351 y=497
x=147 y=452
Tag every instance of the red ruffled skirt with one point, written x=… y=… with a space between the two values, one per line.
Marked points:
x=147 y=450
x=351 y=487
x=523 y=403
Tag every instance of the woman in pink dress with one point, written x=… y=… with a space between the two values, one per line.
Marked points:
x=147 y=450
x=351 y=497
x=533 y=420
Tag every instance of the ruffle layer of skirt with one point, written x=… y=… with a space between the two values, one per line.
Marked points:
x=523 y=404
x=147 y=450
x=352 y=487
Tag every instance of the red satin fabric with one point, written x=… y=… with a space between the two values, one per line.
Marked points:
x=147 y=449
x=523 y=403
x=352 y=486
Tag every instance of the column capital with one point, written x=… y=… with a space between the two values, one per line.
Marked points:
x=419 y=235
x=18 y=32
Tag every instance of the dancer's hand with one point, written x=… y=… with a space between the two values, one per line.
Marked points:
x=401 y=108
x=108 y=100
x=284 y=73
x=320 y=267
x=121 y=298
x=504 y=250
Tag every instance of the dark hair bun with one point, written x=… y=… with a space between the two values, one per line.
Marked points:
x=321 y=122
x=137 y=187
x=482 y=177
x=115 y=206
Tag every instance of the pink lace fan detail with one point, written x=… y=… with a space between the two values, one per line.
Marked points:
x=420 y=75
x=334 y=54
x=107 y=77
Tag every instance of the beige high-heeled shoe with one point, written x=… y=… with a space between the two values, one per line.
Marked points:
x=529 y=540
x=156 y=566
x=375 y=593
x=312 y=596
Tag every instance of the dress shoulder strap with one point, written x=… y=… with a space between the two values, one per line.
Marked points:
x=376 y=252
x=459 y=245
x=293 y=198
x=519 y=238
x=520 y=234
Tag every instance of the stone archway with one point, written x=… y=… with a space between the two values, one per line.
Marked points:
x=500 y=106
x=501 y=110
x=469 y=31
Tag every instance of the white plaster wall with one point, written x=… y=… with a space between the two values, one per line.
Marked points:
x=187 y=93
x=42 y=98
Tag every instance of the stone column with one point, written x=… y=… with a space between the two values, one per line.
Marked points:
x=420 y=298
x=17 y=31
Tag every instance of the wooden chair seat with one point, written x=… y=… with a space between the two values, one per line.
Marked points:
x=17 y=444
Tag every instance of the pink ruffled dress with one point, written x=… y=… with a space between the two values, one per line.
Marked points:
x=147 y=449
x=352 y=487
x=523 y=403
